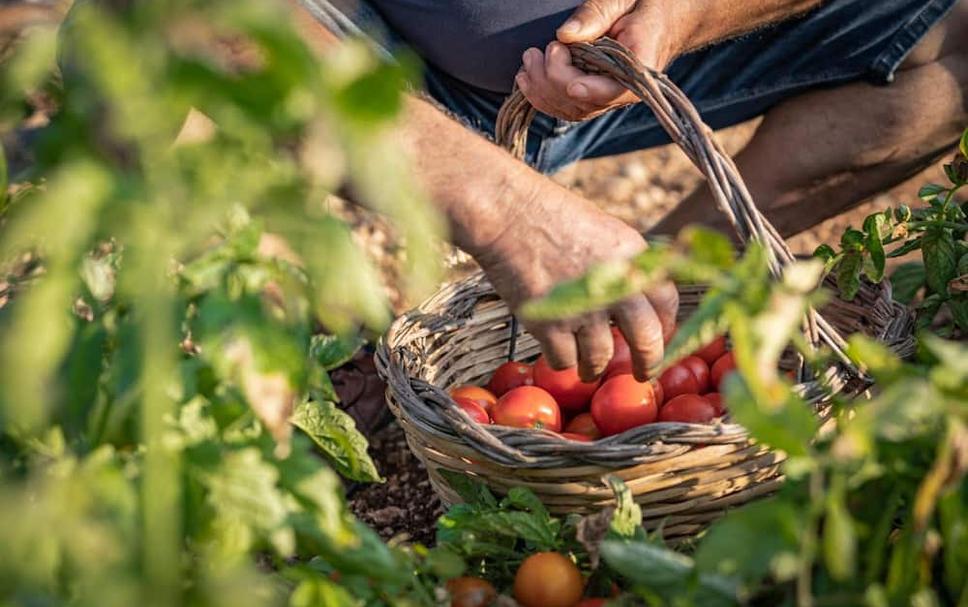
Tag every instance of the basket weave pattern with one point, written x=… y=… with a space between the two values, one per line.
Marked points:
x=683 y=475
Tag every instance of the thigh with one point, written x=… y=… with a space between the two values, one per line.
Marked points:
x=839 y=42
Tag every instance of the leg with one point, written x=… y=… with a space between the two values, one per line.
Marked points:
x=821 y=153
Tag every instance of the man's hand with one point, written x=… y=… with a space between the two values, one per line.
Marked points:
x=555 y=236
x=656 y=31
x=652 y=29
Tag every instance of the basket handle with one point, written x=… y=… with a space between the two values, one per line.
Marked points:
x=685 y=127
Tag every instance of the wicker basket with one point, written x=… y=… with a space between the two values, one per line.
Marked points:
x=683 y=475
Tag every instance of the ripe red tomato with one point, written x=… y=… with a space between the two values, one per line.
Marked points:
x=548 y=579
x=591 y=603
x=699 y=369
x=584 y=424
x=689 y=408
x=510 y=375
x=527 y=407
x=724 y=365
x=678 y=379
x=716 y=400
x=473 y=409
x=713 y=350
x=659 y=392
x=568 y=390
x=470 y=592
x=475 y=393
x=622 y=403
x=621 y=354
x=577 y=437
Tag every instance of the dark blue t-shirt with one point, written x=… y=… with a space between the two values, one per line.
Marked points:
x=477 y=41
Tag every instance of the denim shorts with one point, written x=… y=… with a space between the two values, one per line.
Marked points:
x=841 y=41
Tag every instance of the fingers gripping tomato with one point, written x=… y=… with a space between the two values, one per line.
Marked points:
x=511 y=374
x=527 y=407
x=548 y=579
x=623 y=403
x=571 y=393
x=621 y=355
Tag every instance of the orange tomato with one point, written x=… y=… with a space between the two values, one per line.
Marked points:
x=584 y=424
x=623 y=403
x=470 y=592
x=473 y=409
x=548 y=579
x=527 y=407
x=479 y=395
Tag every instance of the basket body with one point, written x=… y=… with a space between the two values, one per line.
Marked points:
x=683 y=475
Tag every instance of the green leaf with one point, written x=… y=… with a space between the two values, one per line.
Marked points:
x=930 y=191
x=750 y=542
x=700 y=328
x=668 y=574
x=852 y=240
x=320 y=592
x=904 y=249
x=471 y=490
x=825 y=252
x=335 y=433
x=907 y=280
x=938 y=250
x=959 y=311
x=873 y=355
x=601 y=286
x=963 y=145
x=848 y=274
x=540 y=532
x=708 y=247
x=875 y=247
x=839 y=537
x=333 y=351
x=445 y=563
x=4 y=180
x=627 y=516
x=790 y=426
x=520 y=498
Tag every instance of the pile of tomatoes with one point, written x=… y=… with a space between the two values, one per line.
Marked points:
x=544 y=579
x=536 y=396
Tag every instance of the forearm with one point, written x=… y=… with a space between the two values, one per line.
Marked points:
x=707 y=21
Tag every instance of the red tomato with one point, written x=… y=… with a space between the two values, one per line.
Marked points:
x=470 y=592
x=689 y=408
x=721 y=367
x=591 y=603
x=713 y=350
x=527 y=407
x=548 y=579
x=678 y=379
x=577 y=437
x=659 y=392
x=510 y=375
x=475 y=393
x=621 y=355
x=473 y=409
x=699 y=369
x=568 y=390
x=716 y=400
x=622 y=403
x=584 y=424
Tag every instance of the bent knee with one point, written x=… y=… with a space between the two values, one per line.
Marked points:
x=946 y=39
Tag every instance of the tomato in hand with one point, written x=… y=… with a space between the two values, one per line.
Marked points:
x=623 y=403
x=688 y=408
x=699 y=369
x=716 y=400
x=527 y=407
x=510 y=375
x=473 y=409
x=470 y=592
x=571 y=393
x=723 y=366
x=479 y=395
x=621 y=355
x=678 y=379
x=548 y=579
x=583 y=423
x=713 y=350
x=577 y=437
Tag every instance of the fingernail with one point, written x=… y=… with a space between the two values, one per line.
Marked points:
x=578 y=91
x=527 y=58
x=570 y=27
x=522 y=81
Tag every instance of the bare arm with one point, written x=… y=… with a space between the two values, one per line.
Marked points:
x=657 y=31
x=528 y=234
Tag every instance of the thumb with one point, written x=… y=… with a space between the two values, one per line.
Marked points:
x=593 y=19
